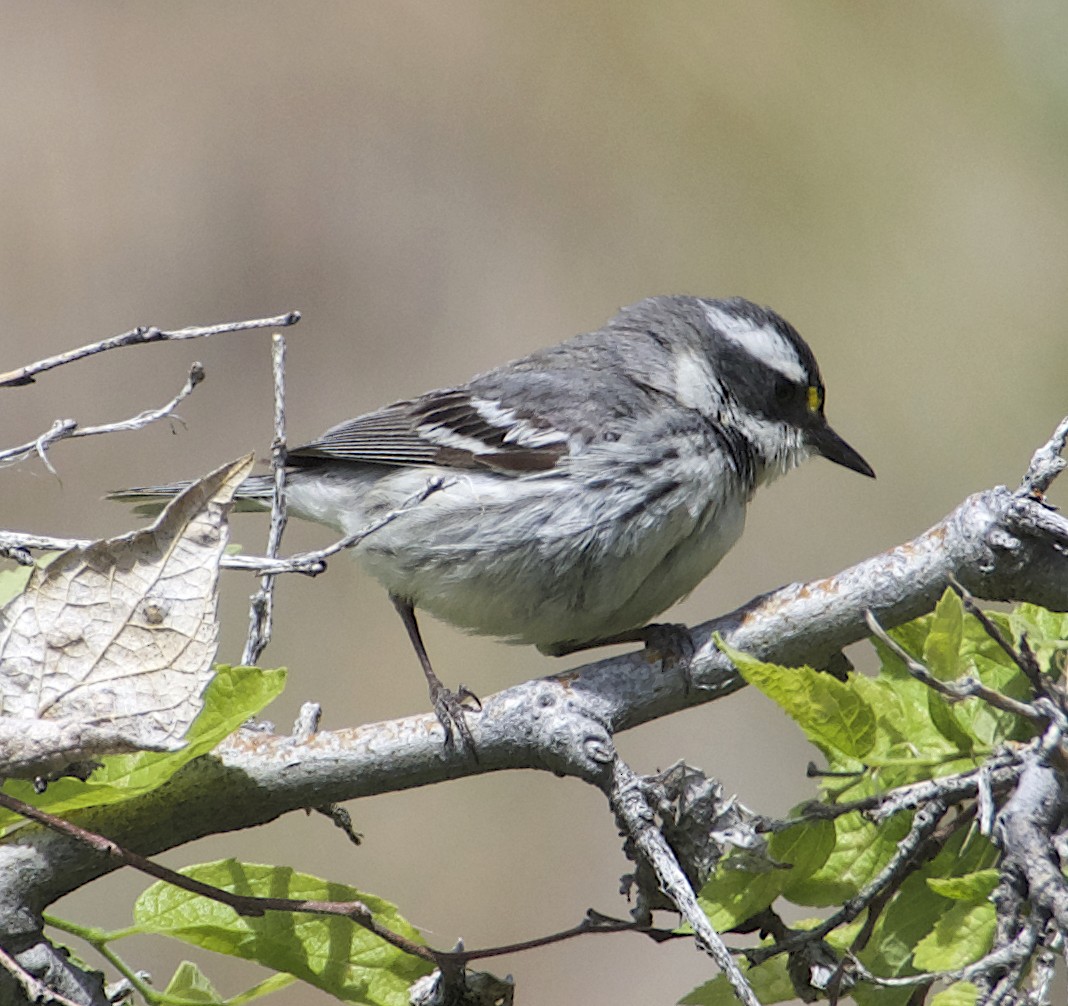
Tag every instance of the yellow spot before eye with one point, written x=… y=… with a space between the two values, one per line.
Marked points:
x=815 y=398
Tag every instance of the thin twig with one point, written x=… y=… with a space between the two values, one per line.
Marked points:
x=139 y=337
x=246 y=905
x=1023 y=658
x=1001 y=769
x=255 y=907
x=261 y=609
x=627 y=797
x=923 y=826
x=1046 y=463
x=66 y=429
x=306 y=563
x=963 y=688
x=592 y=924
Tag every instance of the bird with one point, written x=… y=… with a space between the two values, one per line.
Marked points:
x=567 y=498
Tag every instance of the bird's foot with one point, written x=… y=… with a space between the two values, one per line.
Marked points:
x=451 y=709
x=670 y=643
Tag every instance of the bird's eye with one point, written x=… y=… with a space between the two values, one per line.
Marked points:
x=784 y=390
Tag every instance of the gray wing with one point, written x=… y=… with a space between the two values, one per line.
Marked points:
x=452 y=428
x=523 y=417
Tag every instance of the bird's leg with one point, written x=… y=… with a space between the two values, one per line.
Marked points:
x=669 y=642
x=448 y=706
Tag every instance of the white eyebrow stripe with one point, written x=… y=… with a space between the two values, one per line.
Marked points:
x=760 y=342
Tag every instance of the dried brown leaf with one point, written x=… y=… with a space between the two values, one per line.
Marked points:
x=116 y=640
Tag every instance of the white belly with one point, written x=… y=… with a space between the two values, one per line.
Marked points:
x=543 y=559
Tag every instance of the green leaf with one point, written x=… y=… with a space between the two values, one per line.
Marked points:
x=905 y=726
x=971 y=887
x=1047 y=635
x=957 y=994
x=1040 y=624
x=13 y=582
x=960 y=937
x=915 y=912
x=910 y=917
x=943 y=716
x=941 y=649
x=989 y=726
x=769 y=981
x=977 y=642
x=191 y=985
x=805 y=847
x=830 y=712
x=733 y=895
x=330 y=952
x=861 y=850
x=275 y=983
x=233 y=695
x=911 y=637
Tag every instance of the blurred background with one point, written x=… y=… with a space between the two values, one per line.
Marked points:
x=440 y=187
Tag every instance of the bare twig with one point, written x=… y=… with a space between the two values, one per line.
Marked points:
x=631 y=808
x=306 y=725
x=997 y=772
x=254 y=907
x=963 y=688
x=246 y=905
x=16 y=554
x=592 y=923
x=306 y=563
x=65 y=429
x=1044 y=970
x=139 y=337
x=262 y=602
x=1023 y=831
x=923 y=826
x=1023 y=658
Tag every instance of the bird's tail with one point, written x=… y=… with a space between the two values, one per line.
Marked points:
x=252 y=495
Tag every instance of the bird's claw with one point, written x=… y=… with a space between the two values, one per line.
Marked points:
x=451 y=708
x=670 y=643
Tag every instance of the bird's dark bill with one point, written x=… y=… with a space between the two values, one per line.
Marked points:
x=831 y=446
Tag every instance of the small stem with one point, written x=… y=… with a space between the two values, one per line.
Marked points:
x=261 y=610
x=139 y=337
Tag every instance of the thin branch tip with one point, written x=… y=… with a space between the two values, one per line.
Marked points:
x=1046 y=463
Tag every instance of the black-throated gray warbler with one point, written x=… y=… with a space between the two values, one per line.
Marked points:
x=583 y=489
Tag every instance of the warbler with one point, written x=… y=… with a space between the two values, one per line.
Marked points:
x=575 y=493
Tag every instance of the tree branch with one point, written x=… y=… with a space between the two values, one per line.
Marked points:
x=631 y=808
x=1023 y=830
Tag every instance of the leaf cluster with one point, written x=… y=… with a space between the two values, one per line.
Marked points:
x=877 y=733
